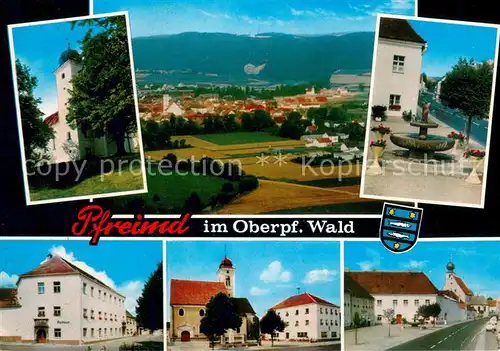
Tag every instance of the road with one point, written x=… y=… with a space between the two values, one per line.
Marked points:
x=463 y=336
x=291 y=347
x=454 y=119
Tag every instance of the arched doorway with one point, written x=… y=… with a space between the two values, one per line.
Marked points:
x=41 y=336
x=185 y=336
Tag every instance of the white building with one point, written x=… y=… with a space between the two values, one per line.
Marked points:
x=73 y=144
x=480 y=304
x=131 y=328
x=59 y=303
x=404 y=292
x=309 y=318
x=456 y=284
x=452 y=310
x=171 y=107
x=357 y=300
x=398 y=66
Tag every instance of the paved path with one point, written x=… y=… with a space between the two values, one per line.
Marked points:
x=461 y=336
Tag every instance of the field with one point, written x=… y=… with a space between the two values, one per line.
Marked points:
x=239 y=138
x=282 y=185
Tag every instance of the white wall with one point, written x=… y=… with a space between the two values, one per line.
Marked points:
x=452 y=285
x=364 y=307
x=406 y=84
x=10 y=325
x=317 y=315
x=407 y=311
x=450 y=310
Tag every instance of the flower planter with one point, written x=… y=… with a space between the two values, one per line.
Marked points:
x=374 y=168
x=473 y=177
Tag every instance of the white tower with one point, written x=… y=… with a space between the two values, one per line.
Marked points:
x=226 y=274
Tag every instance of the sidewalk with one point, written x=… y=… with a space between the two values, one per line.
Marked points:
x=202 y=345
x=376 y=337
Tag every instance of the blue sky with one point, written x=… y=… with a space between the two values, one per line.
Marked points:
x=153 y=17
x=447 y=42
x=475 y=262
x=266 y=272
x=39 y=47
x=126 y=272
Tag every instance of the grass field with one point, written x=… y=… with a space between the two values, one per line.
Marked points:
x=126 y=180
x=239 y=138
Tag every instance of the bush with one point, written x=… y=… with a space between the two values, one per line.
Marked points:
x=132 y=347
x=175 y=144
x=225 y=197
x=248 y=183
x=182 y=143
x=169 y=161
x=228 y=187
x=407 y=116
x=379 y=111
x=231 y=171
x=193 y=204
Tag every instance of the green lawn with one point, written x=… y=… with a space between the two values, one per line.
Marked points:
x=126 y=180
x=239 y=138
x=168 y=192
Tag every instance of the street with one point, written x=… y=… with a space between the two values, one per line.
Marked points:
x=203 y=346
x=454 y=119
x=463 y=336
x=155 y=342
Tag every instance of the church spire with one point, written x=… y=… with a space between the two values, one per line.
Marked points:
x=450 y=266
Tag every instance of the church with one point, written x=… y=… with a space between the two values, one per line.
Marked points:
x=74 y=144
x=188 y=300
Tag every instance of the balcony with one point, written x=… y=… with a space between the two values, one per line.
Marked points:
x=41 y=322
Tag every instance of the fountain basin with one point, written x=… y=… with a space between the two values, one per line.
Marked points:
x=419 y=148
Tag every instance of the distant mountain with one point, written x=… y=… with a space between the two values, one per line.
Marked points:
x=288 y=57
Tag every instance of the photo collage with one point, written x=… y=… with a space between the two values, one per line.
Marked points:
x=248 y=175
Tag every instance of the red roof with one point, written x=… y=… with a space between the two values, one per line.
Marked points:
x=52 y=119
x=289 y=100
x=55 y=265
x=226 y=263
x=394 y=282
x=462 y=286
x=492 y=303
x=302 y=299
x=302 y=99
x=280 y=119
x=312 y=128
x=255 y=107
x=321 y=99
x=8 y=297
x=324 y=140
x=194 y=292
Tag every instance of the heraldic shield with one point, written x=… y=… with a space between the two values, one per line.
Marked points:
x=400 y=227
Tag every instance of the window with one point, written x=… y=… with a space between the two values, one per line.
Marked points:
x=398 y=64
x=84 y=288
x=105 y=331
x=286 y=314
x=105 y=316
x=307 y=310
x=91 y=332
x=92 y=314
x=181 y=312
x=84 y=332
x=69 y=136
x=296 y=312
x=331 y=311
x=63 y=76
x=334 y=334
x=379 y=317
x=307 y=321
x=85 y=313
x=379 y=303
x=41 y=311
x=99 y=294
x=228 y=281
x=57 y=311
x=336 y=312
x=395 y=303
x=41 y=288
x=405 y=302
x=57 y=287
x=57 y=333
x=302 y=335
x=324 y=335
x=100 y=332
x=394 y=102
x=104 y=296
x=320 y=322
x=336 y=322
x=296 y=323
x=427 y=302
x=202 y=313
x=320 y=310
x=100 y=315
x=417 y=303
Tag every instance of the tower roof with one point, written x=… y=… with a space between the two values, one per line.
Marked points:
x=226 y=263
x=69 y=54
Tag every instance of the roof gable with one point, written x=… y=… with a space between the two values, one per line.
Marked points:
x=52 y=119
x=194 y=292
x=463 y=286
x=394 y=282
x=399 y=29
x=351 y=286
x=302 y=299
x=242 y=305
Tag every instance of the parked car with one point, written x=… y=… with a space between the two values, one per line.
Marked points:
x=491 y=327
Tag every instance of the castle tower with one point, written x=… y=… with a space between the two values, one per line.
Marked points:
x=226 y=274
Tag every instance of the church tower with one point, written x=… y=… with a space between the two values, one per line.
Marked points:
x=226 y=274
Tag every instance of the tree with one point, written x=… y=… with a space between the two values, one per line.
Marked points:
x=271 y=323
x=389 y=315
x=356 y=322
x=467 y=87
x=220 y=316
x=361 y=87
x=193 y=204
x=36 y=133
x=254 y=332
x=292 y=127
x=149 y=310
x=427 y=311
x=102 y=97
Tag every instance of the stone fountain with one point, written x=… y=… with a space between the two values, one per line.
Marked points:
x=423 y=145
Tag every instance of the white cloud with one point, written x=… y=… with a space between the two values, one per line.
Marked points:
x=414 y=264
x=7 y=280
x=320 y=276
x=255 y=291
x=215 y=15
x=371 y=263
x=319 y=12
x=131 y=289
x=275 y=273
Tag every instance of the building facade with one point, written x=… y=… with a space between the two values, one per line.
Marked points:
x=131 y=328
x=357 y=300
x=398 y=65
x=308 y=317
x=71 y=144
x=58 y=302
x=455 y=284
x=188 y=300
